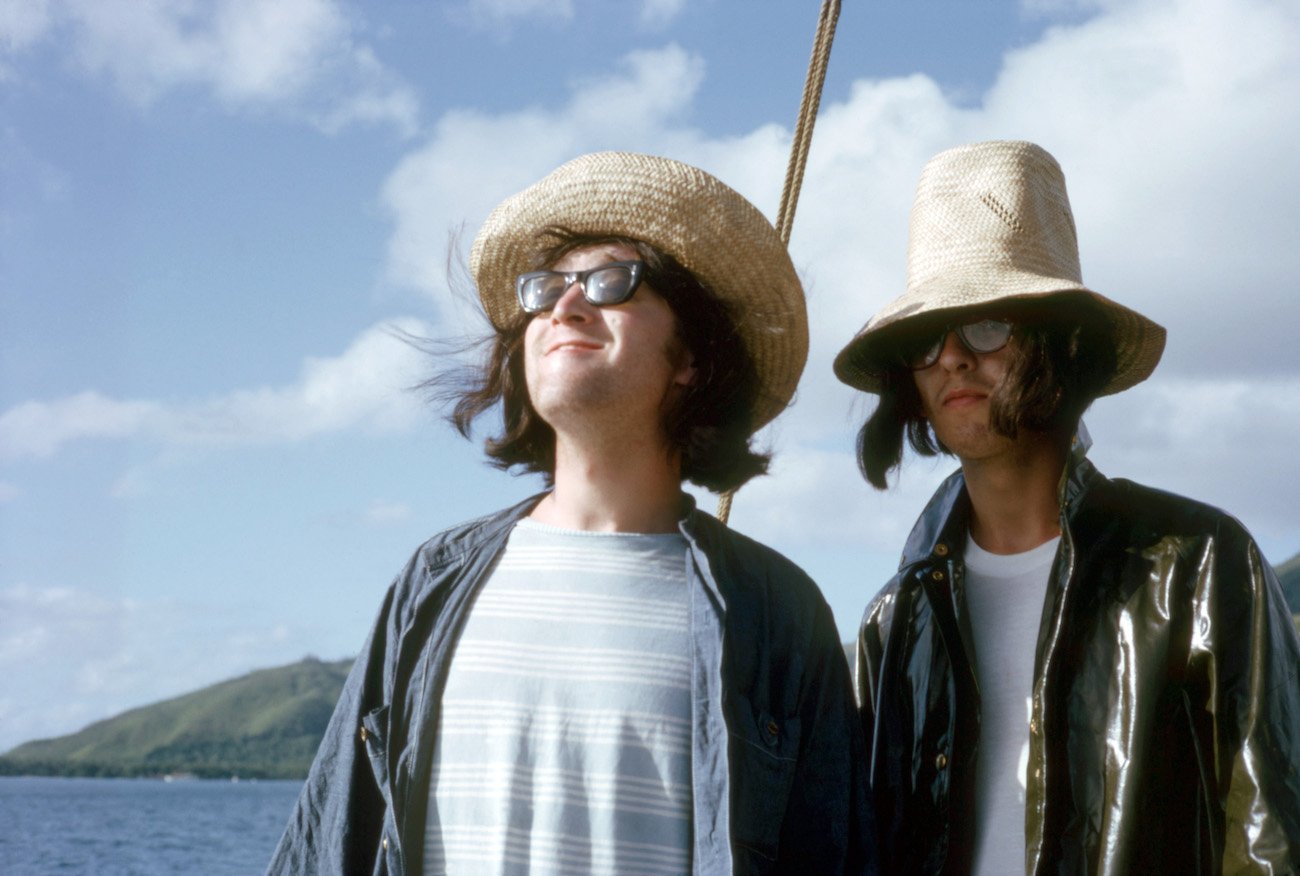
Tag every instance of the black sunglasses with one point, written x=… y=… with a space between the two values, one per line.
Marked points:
x=603 y=286
x=978 y=336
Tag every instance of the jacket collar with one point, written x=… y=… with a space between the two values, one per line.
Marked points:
x=692 y=520
x=940 y=531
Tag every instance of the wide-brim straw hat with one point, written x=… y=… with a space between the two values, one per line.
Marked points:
x=708 y=227
x=991 y=224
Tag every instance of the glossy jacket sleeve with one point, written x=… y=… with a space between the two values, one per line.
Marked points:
x=1244 y=624
x=869 y=655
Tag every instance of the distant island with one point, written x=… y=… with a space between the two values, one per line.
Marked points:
x=1289 y=574
x=264 y=725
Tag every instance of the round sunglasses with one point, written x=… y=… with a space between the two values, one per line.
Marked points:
x=978 y=336
x=604 y=285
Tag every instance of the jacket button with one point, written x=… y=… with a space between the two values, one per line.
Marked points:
x=941 y=761
x=364 y=734
x=384 y=842
x=773 y=728
x=941 y=550
x=936 y=575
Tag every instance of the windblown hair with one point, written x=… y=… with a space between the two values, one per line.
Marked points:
x=1061 y=361
x=712 y=423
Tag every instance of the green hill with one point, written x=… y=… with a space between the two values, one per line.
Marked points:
x=266 y=724
x=1289 y=574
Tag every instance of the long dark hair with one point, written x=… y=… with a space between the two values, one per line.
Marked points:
x=712 y=423
x=1062 y=360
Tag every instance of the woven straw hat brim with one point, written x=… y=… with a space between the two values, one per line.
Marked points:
x=1139 y=341
x=992 y=223
x=713 y=231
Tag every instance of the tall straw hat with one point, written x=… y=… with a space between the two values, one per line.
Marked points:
x=991 y=223
x=708 y=227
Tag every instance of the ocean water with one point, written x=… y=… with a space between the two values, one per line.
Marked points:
x=140 y=827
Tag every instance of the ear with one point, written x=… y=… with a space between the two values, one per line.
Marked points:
x=685 y=375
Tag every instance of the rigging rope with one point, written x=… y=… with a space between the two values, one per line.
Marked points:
x=803 y=130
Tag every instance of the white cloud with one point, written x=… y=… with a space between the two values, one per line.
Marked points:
x=1051 y=8
x=474 y=160
x=301 y=55
x=379 y=97
x=813 y=497
x=22 y=22
x=489 y=13
x=38 y=429
x=384 y=513
x=1228 y=442
x=85 y=655
x=660 y=13
x=266 y=50
x=365 y=387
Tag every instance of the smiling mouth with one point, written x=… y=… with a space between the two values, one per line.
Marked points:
x=572 y=345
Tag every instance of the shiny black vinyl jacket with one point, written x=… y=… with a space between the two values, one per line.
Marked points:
x=1165 y=723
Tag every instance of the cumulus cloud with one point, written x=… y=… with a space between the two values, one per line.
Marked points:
x=473 y=159
x=22 y=22
x=303 y=55
x=776 y=508
x=381 y=512
x=1050 y=8
x=496 y=13
x=502 y=13
x=38 y=429
x=660 y=13
x=1226 y=441
x=365 y=387
x=1183 y=176
x=1182 y=170
x=85 y=655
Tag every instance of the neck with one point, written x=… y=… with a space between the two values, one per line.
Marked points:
x=631 y=487
x=1013 y=496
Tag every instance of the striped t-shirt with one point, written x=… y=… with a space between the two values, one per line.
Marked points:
x=564 y=738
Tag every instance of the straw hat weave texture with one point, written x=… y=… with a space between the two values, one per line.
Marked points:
x=992 y=223
x=712 y=230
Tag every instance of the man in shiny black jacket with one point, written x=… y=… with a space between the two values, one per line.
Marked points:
x=1068 y=674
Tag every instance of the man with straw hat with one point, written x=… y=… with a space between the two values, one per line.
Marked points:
x=602 y=678
x=1068 y=673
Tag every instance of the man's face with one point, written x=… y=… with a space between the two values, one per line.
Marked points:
x=587 y=365
x=955 y=393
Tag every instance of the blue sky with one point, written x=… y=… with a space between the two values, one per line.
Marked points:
x=212 y=214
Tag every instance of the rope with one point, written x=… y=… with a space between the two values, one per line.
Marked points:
x=803 y=131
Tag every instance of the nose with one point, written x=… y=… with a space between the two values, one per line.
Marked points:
x=954 y=356
x=572 y=306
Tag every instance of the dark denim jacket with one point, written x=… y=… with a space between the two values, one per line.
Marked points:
x=777 y=762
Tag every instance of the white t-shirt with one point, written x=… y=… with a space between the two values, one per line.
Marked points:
x=1004 y=597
